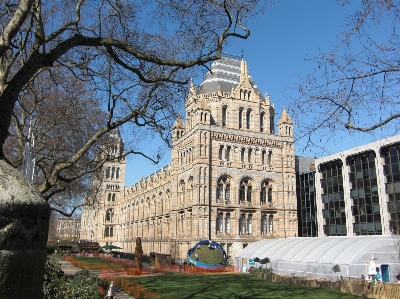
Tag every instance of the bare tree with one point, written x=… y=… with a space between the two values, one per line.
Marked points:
x=356 y=87
x=136 y=57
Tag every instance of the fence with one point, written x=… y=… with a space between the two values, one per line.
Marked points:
x=349 y=286
x=378 y=290
x=303 y=281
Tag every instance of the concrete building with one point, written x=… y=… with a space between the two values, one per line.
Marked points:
x=351 y=193
x=68 y=229
x=231 y=178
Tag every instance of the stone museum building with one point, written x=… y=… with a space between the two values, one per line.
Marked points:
x=231 y=178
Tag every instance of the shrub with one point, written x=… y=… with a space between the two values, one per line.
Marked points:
x=82 y=285
x=51 y=248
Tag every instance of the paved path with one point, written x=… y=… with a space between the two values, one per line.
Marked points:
x=70 y=269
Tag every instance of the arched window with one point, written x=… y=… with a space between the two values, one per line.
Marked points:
x=269 y=195
x=264 y=224
x=108 y=172
x=223 y=189
x=112 y=172
x=110 y=215
x=117 y=174
x=220 y=222
x=219 y=191
x=224 y=115
x=263 y=156
x=242 y=155
x=228 y=153
x=242 y=193
x=263 y=194
x=113 y=197
x=271 y=123
x=228 y=223
x=262 y=115
x=242 y=224
x=109 y=196
x=107 y=232
x=220 y=153
x=250 y=223
x=245 y=190
x=266 y=192
x=271 y=224
x=240 y=118
x=249 y=190
x=248 y=118
x=111 y=232
x=249 y=155
x=269 y=158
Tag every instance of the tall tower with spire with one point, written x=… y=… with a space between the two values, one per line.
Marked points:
x=99 y=221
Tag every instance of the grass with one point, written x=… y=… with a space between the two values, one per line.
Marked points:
x=228 y=286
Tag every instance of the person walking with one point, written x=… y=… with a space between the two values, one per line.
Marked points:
x=111 y=290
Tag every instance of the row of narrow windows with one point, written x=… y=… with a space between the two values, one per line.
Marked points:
x=109 y=232
x=112 y=172
x=246 y=118
x=111 y=197
x=112 y=187
x=246 y=155
x=245 y=191
x=223 y=223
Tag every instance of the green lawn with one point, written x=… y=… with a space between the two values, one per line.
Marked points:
x=227 y=286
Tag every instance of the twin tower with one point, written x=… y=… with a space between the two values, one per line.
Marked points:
x=231 y=178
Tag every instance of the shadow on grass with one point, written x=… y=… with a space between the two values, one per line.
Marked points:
x=227 y=286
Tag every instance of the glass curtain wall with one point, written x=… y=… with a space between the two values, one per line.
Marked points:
x=392 y=182
x=308 y=221
x=333 y=198
x=364 y=194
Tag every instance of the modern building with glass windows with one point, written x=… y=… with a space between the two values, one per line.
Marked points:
x=357 y=192
x=305 y=190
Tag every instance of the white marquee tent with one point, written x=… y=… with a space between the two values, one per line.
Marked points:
x=315 y=257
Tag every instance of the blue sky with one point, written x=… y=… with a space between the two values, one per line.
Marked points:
x=280 y=41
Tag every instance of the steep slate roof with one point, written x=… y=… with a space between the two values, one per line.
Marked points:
x=225 y=75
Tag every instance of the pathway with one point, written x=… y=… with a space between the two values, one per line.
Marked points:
x=70 y=269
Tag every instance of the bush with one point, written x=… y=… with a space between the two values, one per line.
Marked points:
x=82 y=285
x=254 y=270
x=51 y=248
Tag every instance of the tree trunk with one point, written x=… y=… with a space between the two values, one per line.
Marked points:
x=24 y=224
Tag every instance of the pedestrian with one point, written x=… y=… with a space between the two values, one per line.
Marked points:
x=378 y=277
x=111 y=291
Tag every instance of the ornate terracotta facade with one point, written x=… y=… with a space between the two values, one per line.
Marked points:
x=231 y=178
